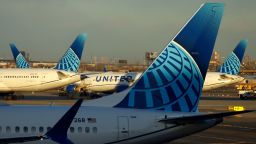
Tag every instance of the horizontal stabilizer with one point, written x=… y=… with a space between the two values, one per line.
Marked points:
x=201 y=117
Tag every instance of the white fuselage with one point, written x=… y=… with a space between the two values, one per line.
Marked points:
x=215 y=80
x=98 y=125
x=108 y=81
x=22 y=80
x=111 y=81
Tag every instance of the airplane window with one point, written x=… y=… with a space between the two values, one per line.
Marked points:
x=33 y=129
x=48 y=128
x=87 y=129
x=72 y=129
x=79 y=129
x=25 y=129
x=17 y=129
x=94 y=129
x=8 y=129
x=41 y=129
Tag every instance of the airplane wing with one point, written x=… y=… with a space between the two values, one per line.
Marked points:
x=201 y=117
x=57 y=133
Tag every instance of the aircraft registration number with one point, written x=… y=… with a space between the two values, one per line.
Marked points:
x=79 y=120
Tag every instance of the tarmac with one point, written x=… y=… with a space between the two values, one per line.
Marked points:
x=239 y=129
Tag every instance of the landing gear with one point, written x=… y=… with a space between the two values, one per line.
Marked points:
x=11 y=96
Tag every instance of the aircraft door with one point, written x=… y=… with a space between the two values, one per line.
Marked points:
x=123 y=127
x=43 y=78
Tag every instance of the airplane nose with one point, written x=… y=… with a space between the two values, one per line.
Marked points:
x=83 y=76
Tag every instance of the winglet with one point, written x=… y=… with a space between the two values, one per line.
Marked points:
x=21 y=62
x=58 y=132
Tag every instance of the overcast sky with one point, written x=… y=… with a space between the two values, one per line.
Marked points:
x=123 y=29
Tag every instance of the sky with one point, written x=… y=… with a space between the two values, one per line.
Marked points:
x=120 y=29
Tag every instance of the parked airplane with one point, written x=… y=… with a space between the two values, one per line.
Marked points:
x=70 y=61
x=116 y=82
x=107 y=82
x=229 y=69
x=161 y=106
x=110 y=82
x=32 y=80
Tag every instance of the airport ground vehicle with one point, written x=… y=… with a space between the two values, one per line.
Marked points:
x=247 y=91
x=247 y=94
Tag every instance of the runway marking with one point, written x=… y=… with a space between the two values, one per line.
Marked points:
x=225 y=139
x=241 y=127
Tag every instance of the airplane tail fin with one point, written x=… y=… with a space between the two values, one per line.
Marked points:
x=20 y=61
x=71 y=59
x=232 y=63
x=174 y=81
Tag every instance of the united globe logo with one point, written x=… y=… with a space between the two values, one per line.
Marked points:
x=21 y=62
x=231 y=65
x=173 y=82
x=69 y=62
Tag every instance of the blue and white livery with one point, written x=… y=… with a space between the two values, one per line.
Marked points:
x=172 y=82
x=135 y=119
x=232 y=63
x=175 y=79
x=21 y=62
x=70 y=61
x=228 y=72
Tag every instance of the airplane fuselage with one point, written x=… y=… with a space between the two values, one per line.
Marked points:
x=98 y=125
x=109 y=82
x=215 y=80
x=114 y=82
x=22 y=80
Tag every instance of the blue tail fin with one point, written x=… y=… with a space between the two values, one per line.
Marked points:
x=174 y=81
x=20 y=61
x=232 y=63
x=71 y=59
